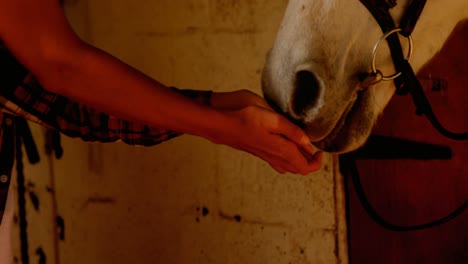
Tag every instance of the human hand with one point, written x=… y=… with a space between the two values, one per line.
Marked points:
x=257 y=129
x=237 y=100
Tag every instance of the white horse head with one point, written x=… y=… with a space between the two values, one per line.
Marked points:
x=322 y=46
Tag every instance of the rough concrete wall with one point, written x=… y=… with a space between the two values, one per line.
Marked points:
x=187 y=200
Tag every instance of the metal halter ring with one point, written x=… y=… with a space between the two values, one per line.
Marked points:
x=374 y=53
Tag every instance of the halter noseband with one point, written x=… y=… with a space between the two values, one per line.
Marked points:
x=405 y=79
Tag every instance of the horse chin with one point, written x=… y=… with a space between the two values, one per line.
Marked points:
x=350 y=131
x=339 y=142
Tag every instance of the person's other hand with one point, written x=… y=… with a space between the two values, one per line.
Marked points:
x=261 y=131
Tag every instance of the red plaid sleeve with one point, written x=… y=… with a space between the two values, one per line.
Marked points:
x=73 y=119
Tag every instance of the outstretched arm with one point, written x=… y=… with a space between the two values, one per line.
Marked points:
x=37 y=33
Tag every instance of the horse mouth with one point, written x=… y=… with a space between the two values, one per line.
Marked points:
x=339 y=139
x=336 y=141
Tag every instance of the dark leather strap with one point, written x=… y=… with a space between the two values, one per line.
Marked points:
x=423 y=107
x=23 y=130
x=411 y=17
x=7 y=155
x=13 y=128
x=379 y=10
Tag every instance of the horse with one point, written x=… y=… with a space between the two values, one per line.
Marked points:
x=312 y=72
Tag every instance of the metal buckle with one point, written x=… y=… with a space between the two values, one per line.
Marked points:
x=374 y=54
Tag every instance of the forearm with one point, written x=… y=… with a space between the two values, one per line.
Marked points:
x=97 y=79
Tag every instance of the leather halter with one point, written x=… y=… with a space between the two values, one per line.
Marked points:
x=406 y=82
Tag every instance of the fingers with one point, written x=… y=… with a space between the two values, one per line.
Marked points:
x=236 y=100
x=262 y=103
x=277 y=163
x=273 y=138
x=316 y=157
x=294 y=133
x=302 y=160
x=291 y=158
x=282 y=153
x=280 y=170
x=253 y=99
x=314 y=164
x=315 y=161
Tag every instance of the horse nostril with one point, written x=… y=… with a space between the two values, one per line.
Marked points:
x=306 y=93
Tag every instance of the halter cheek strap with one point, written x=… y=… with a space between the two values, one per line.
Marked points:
x=380 y=11
x=411 y=17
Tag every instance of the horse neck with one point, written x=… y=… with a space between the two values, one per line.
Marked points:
x=437 y=21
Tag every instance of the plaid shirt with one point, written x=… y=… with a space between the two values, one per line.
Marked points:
x=30 y=101
x=21 y=95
